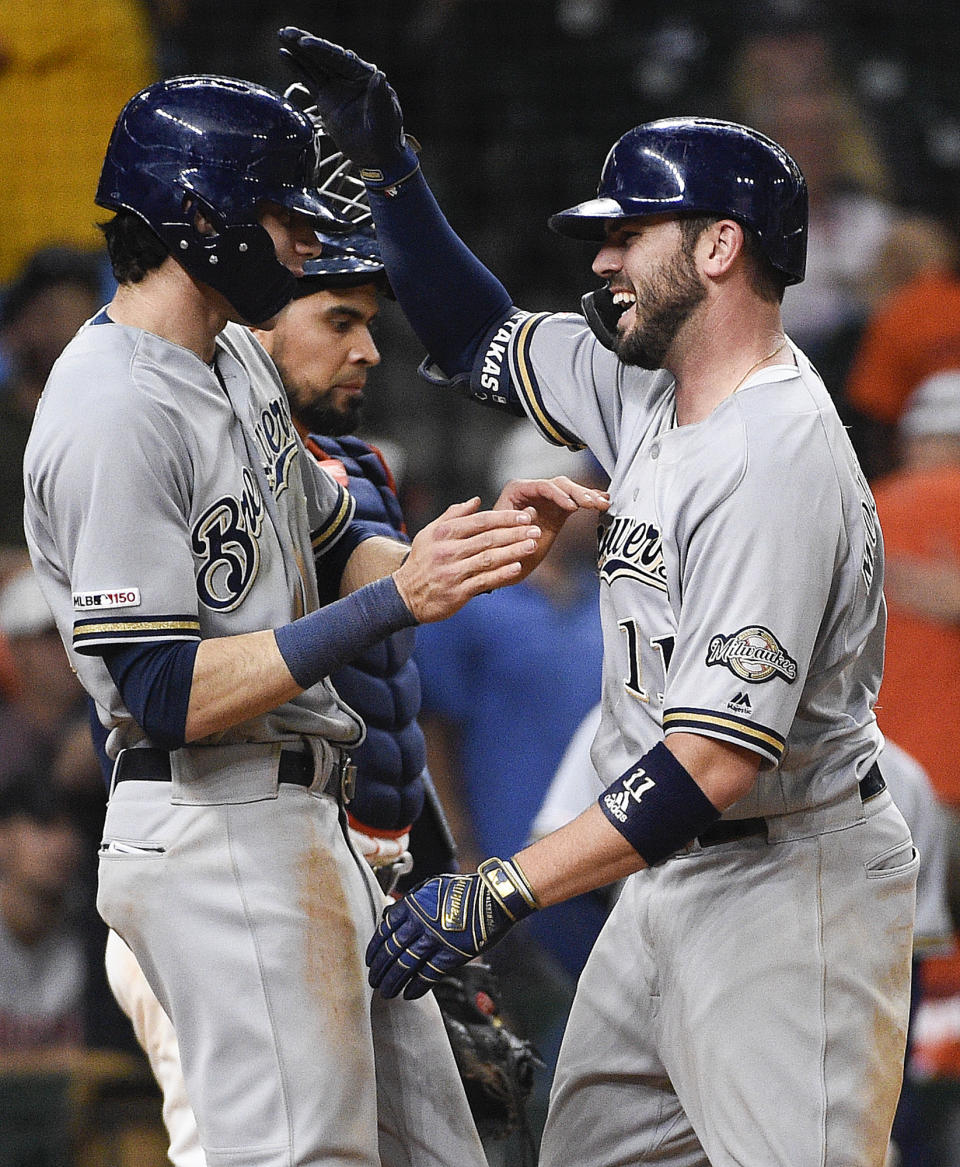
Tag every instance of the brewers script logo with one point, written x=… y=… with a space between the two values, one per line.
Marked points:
x=278 y=445
x=225 y=538
x=633 y=548
x=754 y=654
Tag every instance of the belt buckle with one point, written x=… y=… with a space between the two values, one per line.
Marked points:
x=346 y=778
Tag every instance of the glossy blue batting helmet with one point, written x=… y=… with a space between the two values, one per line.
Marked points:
x=222 y=147
x=701 y=166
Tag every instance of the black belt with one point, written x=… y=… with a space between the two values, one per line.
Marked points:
x=296 y=767
x=729 y=830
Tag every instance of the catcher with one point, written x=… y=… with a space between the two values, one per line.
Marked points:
x=323 y=349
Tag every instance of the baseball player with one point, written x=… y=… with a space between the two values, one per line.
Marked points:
x=323 y=349
x=179 y=534
x=747 y=1001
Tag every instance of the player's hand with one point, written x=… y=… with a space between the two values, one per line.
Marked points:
x=464 y=552
x=357 y=106
x=552 y=501
x=444 y=922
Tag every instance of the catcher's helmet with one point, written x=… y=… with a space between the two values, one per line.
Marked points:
x=351 y=257
x=701 y=165
x=220 y=146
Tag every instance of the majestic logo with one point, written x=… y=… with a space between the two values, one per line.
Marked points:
x=225 y=538
x=753 y=654
x=278 y=445
x=740 y=703
x=633 y=548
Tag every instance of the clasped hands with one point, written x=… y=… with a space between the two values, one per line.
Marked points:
x=467 y=551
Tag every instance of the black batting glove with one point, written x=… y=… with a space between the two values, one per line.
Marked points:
x=357 y=106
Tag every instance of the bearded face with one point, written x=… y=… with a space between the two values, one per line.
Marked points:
x=665 y=298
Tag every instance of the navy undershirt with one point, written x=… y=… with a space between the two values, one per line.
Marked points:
x=450 y=299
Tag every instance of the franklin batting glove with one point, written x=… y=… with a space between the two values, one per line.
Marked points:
x=357 y=106
x=443 y=923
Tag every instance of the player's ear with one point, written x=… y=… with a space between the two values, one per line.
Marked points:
x=719 y=246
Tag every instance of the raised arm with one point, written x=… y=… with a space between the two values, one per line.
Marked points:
x=451 y=300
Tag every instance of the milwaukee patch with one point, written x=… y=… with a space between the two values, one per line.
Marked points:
x=754 y=654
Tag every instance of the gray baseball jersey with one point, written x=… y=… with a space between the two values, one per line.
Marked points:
x=169 y=500
x=726 y=612
x=146 y=529
x=747 y=1000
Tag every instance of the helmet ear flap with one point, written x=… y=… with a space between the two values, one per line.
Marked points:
x=225 y=260
x=602 y=316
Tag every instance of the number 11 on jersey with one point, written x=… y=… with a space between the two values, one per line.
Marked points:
x=633 y=682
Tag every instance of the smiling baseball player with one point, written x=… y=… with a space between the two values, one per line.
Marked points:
x=747 y=1000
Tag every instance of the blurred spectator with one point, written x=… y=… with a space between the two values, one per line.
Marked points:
x=65 y=70
x=786 y=84
x=507 y=680
x=44 y=731
x=913 y=333
x=919 y=509
x=933 y=936
x=42 y=966
x=54 y=293
x=47 y=696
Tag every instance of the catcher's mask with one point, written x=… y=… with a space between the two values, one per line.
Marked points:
x=221 y=147
x=350 y=256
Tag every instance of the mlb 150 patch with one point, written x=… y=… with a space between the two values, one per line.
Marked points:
x=100 y=601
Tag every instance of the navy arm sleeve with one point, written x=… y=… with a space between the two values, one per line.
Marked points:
x=154 y=681
x=452 y=301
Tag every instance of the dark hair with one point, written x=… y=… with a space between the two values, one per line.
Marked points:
x=133 y=247
x=48 y=268
x=768 y=283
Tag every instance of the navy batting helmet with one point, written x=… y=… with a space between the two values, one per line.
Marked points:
x=222 y=147
x=703 y=166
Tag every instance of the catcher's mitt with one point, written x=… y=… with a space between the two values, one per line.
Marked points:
x=495 y=1065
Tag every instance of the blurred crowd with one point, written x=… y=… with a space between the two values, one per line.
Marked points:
x=515 y=106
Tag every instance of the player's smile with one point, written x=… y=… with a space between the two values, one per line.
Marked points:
x=653 y=280
x=626 y=301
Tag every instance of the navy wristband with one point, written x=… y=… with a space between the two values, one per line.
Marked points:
x=657 y=806
x=316 y=645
